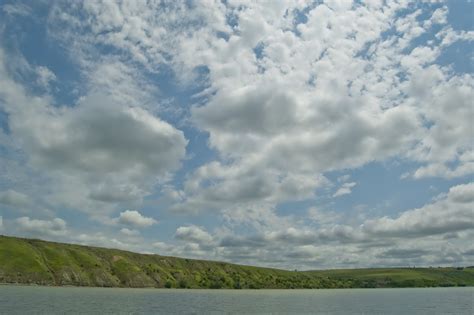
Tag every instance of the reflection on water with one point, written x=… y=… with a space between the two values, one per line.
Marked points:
x=56 y=300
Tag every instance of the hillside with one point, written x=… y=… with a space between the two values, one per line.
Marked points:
x=31 y=261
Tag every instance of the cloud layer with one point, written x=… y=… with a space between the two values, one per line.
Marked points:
x=251 y=130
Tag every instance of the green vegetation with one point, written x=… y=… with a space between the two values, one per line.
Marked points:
x=30 y=261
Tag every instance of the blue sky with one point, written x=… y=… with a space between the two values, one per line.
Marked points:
x=283 y=133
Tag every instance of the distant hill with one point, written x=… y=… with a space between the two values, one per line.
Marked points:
x=31 y=261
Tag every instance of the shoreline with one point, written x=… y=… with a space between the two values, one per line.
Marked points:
x=7 y=284
x=35 y=262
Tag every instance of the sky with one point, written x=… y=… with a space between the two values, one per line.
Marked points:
x=288 y=134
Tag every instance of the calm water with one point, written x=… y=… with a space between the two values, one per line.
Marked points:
x=47 y=300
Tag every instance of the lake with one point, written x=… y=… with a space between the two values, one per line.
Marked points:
x=70 y=300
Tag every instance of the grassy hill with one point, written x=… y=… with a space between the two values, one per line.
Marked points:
x=30 y=261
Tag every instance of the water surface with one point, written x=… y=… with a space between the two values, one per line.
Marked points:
x=70 y=300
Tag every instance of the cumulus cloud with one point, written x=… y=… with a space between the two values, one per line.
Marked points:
x=135 y=218
x=163 y=247
x=216 y=186
x=99 y=138
x=111 y=150
x=416 y=236
x=34 y=227
x=450 y=214
x=287 y=93
x=194 y=234
x=322 y=93
x=323 y=217
x=13 y=198
x=320 y=99
x=462 y=193
x=105 y=149
x=111 y=241
x=149 y=34
x=129 y=232
x=446 y=147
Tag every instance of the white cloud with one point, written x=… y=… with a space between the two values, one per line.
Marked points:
x=452 y=213
x=345 y=189
x=100 y=138
x=45 y=76
x=343 y=178
x=439 y=16
x=298 y=244
x=193 y=234
x=135 y=218
x=163 y=247
x=1 y=223
x=443 y=171
x=323 y=217
x=33 y=227
x=333 y=110
x=437 y=232
x=111 y=241
x=104 y=150
x=324 y=93
x=215 y=186
x=146 y=33
x=287 y=100
x=449 y=36
x=448 y=140
x=129 y=232
x=462 y=193
x=13 y=198
x=269 y=119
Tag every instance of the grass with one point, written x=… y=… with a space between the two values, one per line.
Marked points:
x=31 y=261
